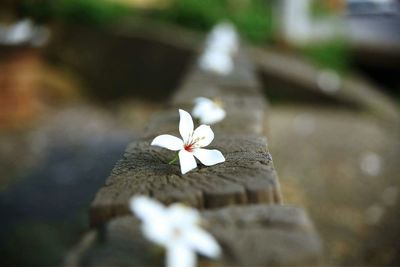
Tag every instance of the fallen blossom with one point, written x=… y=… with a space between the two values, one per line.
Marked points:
x=220 y=46
x=177 y=229
x=208 y=111
x=191 y=145
x=217 y=62
x=223 y=37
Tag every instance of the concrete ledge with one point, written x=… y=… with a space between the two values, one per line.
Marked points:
x=247 y=176
x=254 y=235
x=242 y=76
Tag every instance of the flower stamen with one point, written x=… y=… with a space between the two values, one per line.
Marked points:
x=188 y=147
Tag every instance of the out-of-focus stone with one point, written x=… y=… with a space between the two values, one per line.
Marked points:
x=252 y=235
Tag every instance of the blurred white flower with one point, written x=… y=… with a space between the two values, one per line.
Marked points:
x=223 y=37
x=177 y=228
x=23 y=31
x=221 y=44
x=216 y=61
x=208 y=111
x=191 y=144
x=17 y=33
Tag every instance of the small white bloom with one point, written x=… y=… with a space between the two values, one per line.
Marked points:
x=17 y=33
x=223 y=37
x=191 y=144
x=208 y=111
x=216 y=61
x=221 y=44
x=177 y=229
x=23 y=31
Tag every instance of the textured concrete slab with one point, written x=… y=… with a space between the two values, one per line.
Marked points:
x=252 y=235
x=247 y=176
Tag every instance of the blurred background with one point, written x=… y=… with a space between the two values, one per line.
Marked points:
x=79 y=79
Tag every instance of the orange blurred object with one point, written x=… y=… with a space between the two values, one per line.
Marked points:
x=337 y=5
x=19 y=82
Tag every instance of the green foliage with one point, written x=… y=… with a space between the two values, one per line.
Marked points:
x=74 y=11
x=91 y=11
x=252 y=18
x=199 y=15
x=320 y=9
x=333 y=54
x=255 y=22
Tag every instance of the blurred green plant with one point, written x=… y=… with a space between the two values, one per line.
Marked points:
x=320 y=9
x=74 y=11
x=253 y=18
x=333 y=54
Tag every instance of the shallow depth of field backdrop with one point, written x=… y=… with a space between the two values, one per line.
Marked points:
x=81 y=78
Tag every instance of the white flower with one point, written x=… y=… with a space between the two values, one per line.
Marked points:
x=17 y=33
x=23 y=31
x=208 y=111
x=223 y=37
x=177 y=229
x=221 y=44
x=217 y=62
x=191 y=144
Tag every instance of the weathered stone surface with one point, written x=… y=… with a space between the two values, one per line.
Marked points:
x=244 y=116
x=231 y=97
x=242 y=76
x=265 y=235
x=247 y=176
x=255 y=235
x=192 y=89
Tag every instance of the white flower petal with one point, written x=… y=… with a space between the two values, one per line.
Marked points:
x=203 y=136
x=202 y=242
x=213 y=115
x=207 y=111
x=168 y=141
x=180 y=255
x=199 y=100
x=185 y=125
x=147 y=209
x=202 y=105
x=158 y=231
x=182 y=215
x=216 y=61
x=20 y=32
x=224 y=37
x=187 y=161
x=208 y=157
